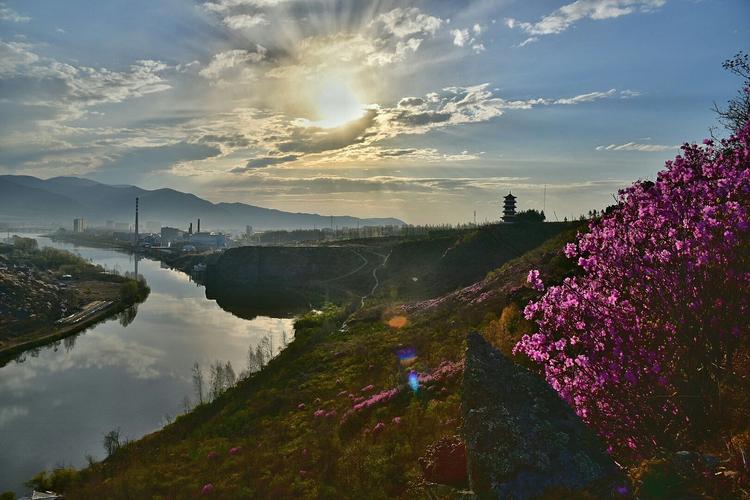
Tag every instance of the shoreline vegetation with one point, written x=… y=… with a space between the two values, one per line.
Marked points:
x=51 y=294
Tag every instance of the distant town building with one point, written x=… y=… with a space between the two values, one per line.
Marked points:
x=79 y=225
x=248 y=230
x=212 y=240
x=509 y=208
x=171 y=235
x=151 y=240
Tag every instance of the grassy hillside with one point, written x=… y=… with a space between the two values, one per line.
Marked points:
x=331 y=416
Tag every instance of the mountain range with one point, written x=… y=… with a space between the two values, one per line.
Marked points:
x=56 y=201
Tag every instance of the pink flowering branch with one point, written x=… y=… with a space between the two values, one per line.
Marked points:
x=637 y=342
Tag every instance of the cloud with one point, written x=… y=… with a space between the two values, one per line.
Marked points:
x=265 y=161
x=234 y=62
x=135 y=162
x=468 y=38
x=14 y=56
x=403 y=23
x=333 y=184
x=567 y=15
x=226 y=5
x=9 y=413
x=311 y=139
x=8 y=14
x=230 y=141
x=29 y=79
x=245 y=21
x=634 y=146
x=364 y=140
x=460 y=37
x=591 y=96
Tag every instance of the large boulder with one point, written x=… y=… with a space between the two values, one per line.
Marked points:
x=522 y=440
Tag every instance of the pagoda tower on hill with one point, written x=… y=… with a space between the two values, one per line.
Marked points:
x=509 y=208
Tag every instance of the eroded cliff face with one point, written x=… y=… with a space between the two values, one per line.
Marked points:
x=284 y=266
x=273 y=280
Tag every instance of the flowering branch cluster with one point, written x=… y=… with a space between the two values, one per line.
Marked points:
x=636 y=344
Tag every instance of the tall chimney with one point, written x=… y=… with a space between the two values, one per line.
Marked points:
x=190 y=229
x=199 y=224
x=136 y=221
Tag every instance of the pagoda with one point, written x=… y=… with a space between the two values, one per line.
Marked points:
x=509 y=208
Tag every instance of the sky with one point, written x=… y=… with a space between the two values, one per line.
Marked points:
x=425 y=110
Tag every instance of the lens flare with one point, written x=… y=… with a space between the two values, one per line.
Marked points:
x=414 y=381
x=406 y=356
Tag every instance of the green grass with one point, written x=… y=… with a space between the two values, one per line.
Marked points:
x=285 y=450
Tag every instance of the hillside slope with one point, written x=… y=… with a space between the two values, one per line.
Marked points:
x=331 y=416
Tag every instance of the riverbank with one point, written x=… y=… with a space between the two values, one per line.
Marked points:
x=48 y=294
x=131 y=372
x=9 y=349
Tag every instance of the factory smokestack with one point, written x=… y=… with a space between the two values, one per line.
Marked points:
x=199 y=225
x=190 y=228
x=136 y=221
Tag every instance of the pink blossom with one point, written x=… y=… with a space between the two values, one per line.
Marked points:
x=664 y=279
x=534 y=280
x=207 y=489
x=235 y=450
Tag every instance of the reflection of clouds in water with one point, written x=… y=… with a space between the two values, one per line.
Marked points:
x=189 y=313
x=274 y=325
x=107 y=350
x=99 y=351
x=11 y=412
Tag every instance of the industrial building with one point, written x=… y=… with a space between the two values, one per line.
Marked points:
x=79 y=225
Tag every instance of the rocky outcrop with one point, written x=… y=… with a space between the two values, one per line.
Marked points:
x=444 y=462
x=522 y=440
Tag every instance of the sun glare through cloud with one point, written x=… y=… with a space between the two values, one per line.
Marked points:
x=335 y=103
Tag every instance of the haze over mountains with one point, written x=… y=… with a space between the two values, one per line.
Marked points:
x=56 y=201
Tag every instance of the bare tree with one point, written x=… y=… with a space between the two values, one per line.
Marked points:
x=198 y=382
x=187 y=405
x=253 y=362
x=111 y=441
x=229 y=377
x=737 y=111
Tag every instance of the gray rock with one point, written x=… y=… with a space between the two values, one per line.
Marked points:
x=522 y=440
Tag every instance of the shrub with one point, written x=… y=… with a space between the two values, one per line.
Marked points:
x=505 y=332
x=638 y=343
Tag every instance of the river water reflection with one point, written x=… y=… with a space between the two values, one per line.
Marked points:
x=128 y=372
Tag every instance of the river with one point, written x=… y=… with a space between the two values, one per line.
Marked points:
x=57 y=402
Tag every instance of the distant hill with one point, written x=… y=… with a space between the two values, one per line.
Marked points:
x=57 y=200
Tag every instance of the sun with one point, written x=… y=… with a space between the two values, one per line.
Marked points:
x=335 y=103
